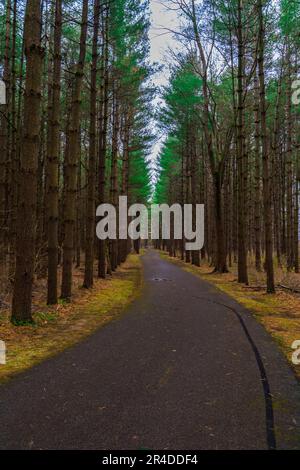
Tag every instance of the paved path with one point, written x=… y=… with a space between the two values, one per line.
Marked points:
x=185 y=368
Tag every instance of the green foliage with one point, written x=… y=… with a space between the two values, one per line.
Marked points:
x=129 y=24
x=169 y=168
x=182 y=97
x=183 y=101
x=290 y=18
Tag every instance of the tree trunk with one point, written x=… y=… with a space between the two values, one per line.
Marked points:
x=53 y=161
x=103 y=140
x=289 y=164
x=25 y=246
x=90 y=218
x=242 y=254
x=4 y=142
x=265 y=155
x=71 y=163
x=220 y=261
x=257 y=204
x=114 y=176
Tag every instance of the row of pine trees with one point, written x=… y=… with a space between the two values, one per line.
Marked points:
x=231 y=116
x=74 y=133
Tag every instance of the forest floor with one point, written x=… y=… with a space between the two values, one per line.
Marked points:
x=58 y=327
x=279 y=313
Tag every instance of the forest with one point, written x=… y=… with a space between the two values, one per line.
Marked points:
x=231 y=117
x=73 y=133
x=76 y=132
x=149 y=344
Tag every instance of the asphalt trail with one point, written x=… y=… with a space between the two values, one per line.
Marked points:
x=185 y=368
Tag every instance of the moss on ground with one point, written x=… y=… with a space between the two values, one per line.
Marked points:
x=57 y=328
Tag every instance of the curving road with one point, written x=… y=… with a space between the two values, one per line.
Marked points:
x=185 y=368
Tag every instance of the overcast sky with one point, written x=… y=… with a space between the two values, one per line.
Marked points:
x=160 y=38
x=160 y=41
